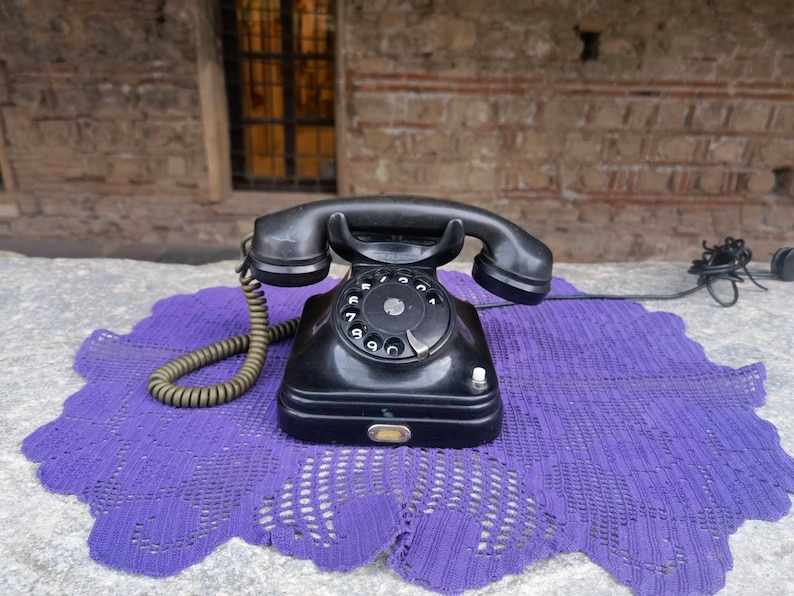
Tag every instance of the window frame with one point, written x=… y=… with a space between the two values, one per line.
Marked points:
x=240 y=179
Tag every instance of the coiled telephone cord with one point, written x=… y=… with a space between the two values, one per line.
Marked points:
x=256 y=343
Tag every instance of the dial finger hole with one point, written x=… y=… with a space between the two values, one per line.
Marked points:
x=403 y=276
x=394 y=346
x=350 y=313
x=434 y=298
x=357 y=330
x=373 y=342
x=382 y=276
x=422 y=285
x=353 y=297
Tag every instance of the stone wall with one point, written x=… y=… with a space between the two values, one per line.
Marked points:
x=102 y=122
x=677 y=127
x=680 y=128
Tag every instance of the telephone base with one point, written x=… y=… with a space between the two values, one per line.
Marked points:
x=334 y=391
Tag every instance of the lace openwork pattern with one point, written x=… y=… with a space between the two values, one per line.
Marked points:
x=620 y=440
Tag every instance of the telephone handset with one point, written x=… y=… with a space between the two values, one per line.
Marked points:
x=388 y=356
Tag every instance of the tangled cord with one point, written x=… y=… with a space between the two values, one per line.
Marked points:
x=256 y=343
x=724 y=261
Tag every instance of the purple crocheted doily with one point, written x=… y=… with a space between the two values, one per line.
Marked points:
x=620 y=440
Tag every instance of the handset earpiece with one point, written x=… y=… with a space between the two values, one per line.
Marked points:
x=290 y=248
x=506 y=284
x=782 y=264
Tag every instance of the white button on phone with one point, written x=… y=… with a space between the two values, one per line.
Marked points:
x=478 y=375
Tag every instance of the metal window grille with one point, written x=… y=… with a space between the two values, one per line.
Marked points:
x=279 y=65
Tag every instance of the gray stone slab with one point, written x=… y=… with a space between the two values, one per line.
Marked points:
x=48 y=307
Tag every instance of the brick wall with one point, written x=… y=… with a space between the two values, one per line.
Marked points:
x=101 y=121
x=679 y=126
x=673 y=134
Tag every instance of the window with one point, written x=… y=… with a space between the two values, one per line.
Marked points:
x=279 y=65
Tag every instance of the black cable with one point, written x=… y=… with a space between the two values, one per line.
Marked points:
x=602 y=297
x=727 y=262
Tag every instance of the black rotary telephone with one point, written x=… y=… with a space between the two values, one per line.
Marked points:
x=388 y=356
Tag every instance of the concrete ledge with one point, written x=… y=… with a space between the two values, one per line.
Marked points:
x=187 y=255
x=43 y=535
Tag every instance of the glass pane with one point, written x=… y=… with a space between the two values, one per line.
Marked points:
x=314 y=89
x=259 y=26
x=315 y=152
x=314 y=76
x=265 y=150
x=313 y=27
x=261 y=89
